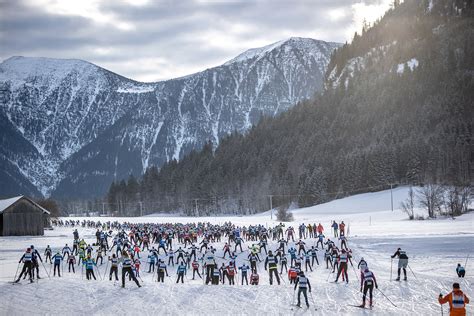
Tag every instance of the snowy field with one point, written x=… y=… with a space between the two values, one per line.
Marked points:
x=375 y=232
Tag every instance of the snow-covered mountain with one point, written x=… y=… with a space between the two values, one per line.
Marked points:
x=82 y=126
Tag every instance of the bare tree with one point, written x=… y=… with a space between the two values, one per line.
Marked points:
x=408 y=206
x=284 y=215
x=458 y=199
x=430 y=198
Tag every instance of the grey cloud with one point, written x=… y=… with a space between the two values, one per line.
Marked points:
x=168 y=38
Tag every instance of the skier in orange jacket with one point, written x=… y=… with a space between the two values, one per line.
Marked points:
x=457 y=301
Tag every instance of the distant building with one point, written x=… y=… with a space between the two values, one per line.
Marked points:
x=21 y=216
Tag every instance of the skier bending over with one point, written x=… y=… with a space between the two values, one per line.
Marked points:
x=402 y=262
x=460 y=271
x=304 y=285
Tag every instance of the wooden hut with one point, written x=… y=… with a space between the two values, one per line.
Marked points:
x=21 y=216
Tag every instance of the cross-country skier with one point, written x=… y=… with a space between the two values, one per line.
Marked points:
x=244 y=268
x=283 y=263
x=402 y=262
x=254 y=278
x=460 y=271
x=195 y=266
x=335 y=227
x=231 y=271
x=292 y=275
x=35 y=256
x=210 y=264
x=367 y=283
x=66 y=251
x=47 y=253
x=307 y=261
x=282 y=243
x=457 y=301
x=292 y=253
x=90 y=263
x=238 y=242
x=226 y=250
x=127 y=268
x=27 y=260
x=303 y=282
x=328 y=258
x=113 y=267
x=215 y=274
x=71 y=261
x=152 y=258
x=314 y=255
x=343 y=266
x=57 y=258
x=343 y=240
x=161 y=269
x=300 y=245
x=362 y=265
x=181 y=271
x=253 y=258
x=272 y=262
x=320 y=241
x=171 y=257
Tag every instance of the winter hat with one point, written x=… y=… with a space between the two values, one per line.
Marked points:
x=456 y=286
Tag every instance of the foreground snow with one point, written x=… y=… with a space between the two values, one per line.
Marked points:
x=434 y=247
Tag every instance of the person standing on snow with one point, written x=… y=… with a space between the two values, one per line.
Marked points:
x=90 y=263
x=71 y=260
x=113 y=267
x=181 y=271
x=57 y=258
x=47 y=253
x=402 y=263
x=368 y=282
x=457 y=301
x=303 y=282
x=334 y=227
x=161 y=269
x=195 y=266
x=272 y=262
x=127 y=268
x=343 y=266
x=27 y=260
x=35 y=256
x=244 y=268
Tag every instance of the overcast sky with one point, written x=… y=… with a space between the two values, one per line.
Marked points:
x=151 y=40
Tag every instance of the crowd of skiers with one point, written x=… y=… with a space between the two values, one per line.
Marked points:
x=190 y=247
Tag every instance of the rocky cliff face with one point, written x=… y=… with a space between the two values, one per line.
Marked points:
x=75 y=127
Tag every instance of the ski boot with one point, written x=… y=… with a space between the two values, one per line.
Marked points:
x=405 y=279
x=397 y=279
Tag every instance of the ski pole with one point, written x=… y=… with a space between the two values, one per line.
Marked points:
x=17 y=268
x=465 y=264
x=442 y=312
x=391 y=268
x=330 y=272
x=294 y=293
x=386 y=297
x=355 y=272
x=312 y=299
x=412 y=272
x=106 y=266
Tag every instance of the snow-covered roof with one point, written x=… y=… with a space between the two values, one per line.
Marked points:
x=4 y=204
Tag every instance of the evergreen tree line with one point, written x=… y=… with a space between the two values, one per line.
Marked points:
x=373 y=126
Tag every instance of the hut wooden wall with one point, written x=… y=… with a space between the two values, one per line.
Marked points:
x=23 y=218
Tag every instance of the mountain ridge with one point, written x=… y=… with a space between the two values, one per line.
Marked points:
x=61 y=108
